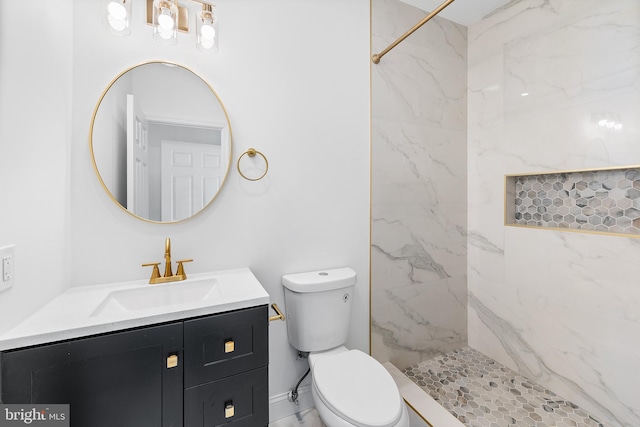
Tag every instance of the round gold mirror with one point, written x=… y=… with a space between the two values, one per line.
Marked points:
x=160 y=142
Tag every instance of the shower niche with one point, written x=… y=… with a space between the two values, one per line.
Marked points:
x=591 y=200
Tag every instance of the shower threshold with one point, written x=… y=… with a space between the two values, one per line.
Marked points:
x=480 y=392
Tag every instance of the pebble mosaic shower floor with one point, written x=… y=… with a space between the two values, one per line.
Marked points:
x=482 y=393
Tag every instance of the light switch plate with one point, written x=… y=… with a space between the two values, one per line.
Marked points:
x=7 y=267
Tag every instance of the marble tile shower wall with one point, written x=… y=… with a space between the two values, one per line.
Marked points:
x=419 y=294
x=560 y=308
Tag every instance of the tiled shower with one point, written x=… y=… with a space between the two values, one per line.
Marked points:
x=454 y=110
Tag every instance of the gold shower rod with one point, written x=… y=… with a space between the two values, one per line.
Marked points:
x=378 y=56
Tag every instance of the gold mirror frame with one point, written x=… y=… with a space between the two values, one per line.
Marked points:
x=95 y=162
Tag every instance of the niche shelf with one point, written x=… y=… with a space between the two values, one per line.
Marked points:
x=591 y=200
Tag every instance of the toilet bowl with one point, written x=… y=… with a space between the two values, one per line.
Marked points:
x=349 y=387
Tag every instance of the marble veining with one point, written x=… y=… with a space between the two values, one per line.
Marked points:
x=418 y=187
x=531 y=365
x=417 y=257
x=559 y=308
x=544 y=304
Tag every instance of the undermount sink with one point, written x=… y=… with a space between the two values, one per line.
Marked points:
x=158 y=296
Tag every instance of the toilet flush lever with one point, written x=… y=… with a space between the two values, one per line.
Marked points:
x=278 y=316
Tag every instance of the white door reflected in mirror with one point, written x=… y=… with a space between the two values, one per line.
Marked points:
x=161 y=142
x=191 y=175
x=137 y=160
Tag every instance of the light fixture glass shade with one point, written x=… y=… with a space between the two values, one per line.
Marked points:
x=117 y=16
x=207 y=29
x=165 y=21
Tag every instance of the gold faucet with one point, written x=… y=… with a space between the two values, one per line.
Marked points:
x=167 y=258
x=168 y=271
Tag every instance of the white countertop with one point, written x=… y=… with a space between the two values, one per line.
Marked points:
x=90 y=310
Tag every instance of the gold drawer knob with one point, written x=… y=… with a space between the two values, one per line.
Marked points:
x=172 y=361
x=229 y=346
x=229 y=410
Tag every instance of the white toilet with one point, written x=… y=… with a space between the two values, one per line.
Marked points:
x=349 y=387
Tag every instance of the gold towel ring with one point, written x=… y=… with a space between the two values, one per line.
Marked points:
x=251 y=152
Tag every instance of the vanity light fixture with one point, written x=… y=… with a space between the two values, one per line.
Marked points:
x=206 y=29
x=167 y=17
x=165 y=21
x=117 y=16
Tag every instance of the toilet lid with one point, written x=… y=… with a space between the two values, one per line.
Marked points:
x=358 y=389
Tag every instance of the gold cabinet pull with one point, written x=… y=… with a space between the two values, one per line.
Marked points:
x=229 y=410
x=229 y=346
x=172 y=361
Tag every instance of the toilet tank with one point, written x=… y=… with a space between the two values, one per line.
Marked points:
x=318 y=308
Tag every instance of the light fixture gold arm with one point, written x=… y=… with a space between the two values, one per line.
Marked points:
x=378 y=56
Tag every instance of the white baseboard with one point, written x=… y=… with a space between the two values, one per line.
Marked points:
x=280 y=406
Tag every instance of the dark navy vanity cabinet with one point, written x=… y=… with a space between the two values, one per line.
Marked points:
x=225 y=371
x=205 y=371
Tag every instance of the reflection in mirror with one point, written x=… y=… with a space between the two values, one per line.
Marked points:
x=161 y=142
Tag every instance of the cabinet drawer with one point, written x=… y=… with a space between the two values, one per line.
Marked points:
x=238 y=401
x=225 y=344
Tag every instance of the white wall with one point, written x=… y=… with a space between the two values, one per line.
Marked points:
x=35 y=129
x=561 y=308
x=294 y=78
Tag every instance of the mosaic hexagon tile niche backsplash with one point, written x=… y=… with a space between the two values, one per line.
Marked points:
x=604 y=200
